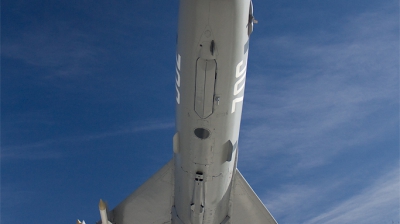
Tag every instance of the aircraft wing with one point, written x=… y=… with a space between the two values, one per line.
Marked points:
x=150 y=203
x=247 y=207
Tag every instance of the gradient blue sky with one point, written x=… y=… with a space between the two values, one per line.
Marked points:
x=88 y=107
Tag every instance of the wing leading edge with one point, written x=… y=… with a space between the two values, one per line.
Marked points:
x=247 y=207
x=152 y=202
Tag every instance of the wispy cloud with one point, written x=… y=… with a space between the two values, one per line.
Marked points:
x=324 y=203
x=77 y=44
x=39 y=150
x=58 y=49
x=13 y=196
x=329 y=95
x=311 y=101
x=379 y=203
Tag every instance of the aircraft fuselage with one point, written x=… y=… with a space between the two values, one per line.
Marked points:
x=211 y=62
x=201 y=184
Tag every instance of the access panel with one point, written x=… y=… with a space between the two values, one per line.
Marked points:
x=205 y=85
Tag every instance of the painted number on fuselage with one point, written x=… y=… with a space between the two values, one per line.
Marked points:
x=178 y=78
x=239 y=84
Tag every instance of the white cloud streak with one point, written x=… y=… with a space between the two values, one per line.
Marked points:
x=38 y=150
x=313 y=99
x=343 y=94
x=379 y=203
x=13 y=196
x=63 y=52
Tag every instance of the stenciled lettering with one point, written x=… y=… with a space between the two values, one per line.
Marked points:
x=240 y=76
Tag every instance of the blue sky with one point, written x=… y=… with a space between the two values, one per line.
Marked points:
x=88 y=107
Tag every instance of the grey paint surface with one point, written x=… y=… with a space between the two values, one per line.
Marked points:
x=201 y=184
x=202 y=23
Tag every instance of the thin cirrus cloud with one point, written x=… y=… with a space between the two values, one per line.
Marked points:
x=61 y=51
x=313 y=102
x=38 y=150
x=342 y=94
x=378 y=203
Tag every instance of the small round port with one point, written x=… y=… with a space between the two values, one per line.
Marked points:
x=201 y=133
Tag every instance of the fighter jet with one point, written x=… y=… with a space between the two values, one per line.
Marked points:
x=201 y=183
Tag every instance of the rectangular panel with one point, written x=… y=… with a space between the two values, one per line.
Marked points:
x=209 y=88
x=200 y=82
x=205 y=82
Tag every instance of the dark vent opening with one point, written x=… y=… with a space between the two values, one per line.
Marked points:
x=202 y=133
